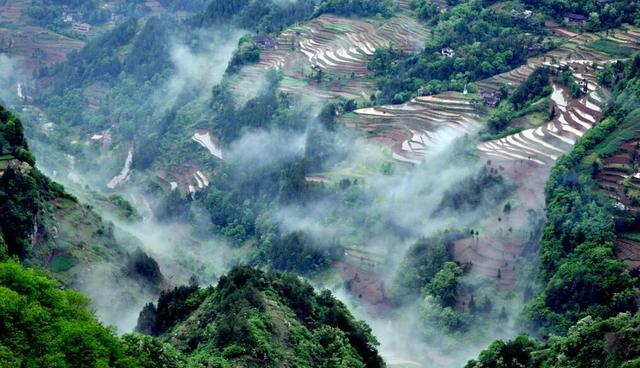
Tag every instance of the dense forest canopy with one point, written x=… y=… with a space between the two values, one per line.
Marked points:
x=612 y=342
x=384 y=8
x=239 y=317
x=96 y=62
x=600 y=14
x=534 y=89
x=273 y=16
x=44 y=325
x=262 y=16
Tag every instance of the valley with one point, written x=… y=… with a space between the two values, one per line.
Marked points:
x=352 y=151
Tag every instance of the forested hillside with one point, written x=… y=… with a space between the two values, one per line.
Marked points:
x=44 y=325
x=257 y=319
x=611 y=342
x=582 y=274
x=251 y=319
x=456 y=172
x=586 y=308
x=45 y=227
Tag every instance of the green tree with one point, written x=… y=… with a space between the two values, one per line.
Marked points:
x=444 y=286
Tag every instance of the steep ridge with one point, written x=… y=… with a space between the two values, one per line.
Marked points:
x=615 y=169
x=48 y=228
x=257 y=319
x=250 y=319
x=527 y=156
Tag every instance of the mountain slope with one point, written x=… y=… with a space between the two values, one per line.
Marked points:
x=251 y=319
x=191 y=156
x=257 y=319
x=41 y=223
x=611 y=343
x=591 y=285
x=45 y=227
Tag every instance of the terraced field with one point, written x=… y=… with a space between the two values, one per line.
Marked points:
x=526 y=158
x=409 y=129
x=629 y=252
x=490 y=257
x=502 y=238
x=543 y=145
x=619 y=178
x=627 y=38
x=414 y=128
x=511 y=78
x=339 y=48
x=11 y=11
x=38 y=46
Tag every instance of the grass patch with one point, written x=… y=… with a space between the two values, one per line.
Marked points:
x=288 y=81
x=379 y=129
x=619 y=167
x=338 y=28
x=62 y=263
x=46 y=36
x=611 y=48
x=624 y=133
x=630 y=236
x=537 y=118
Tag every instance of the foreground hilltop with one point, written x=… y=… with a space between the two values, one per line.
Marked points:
x=250 y=319
x=257 y=319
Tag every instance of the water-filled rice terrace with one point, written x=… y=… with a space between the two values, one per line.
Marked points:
x=338 y=47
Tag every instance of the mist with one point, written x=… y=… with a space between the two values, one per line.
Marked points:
x=384 y=213
x=180 y=248
x=9 y=78
x=390 y=207
x=198 y=69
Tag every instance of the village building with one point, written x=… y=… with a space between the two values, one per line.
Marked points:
x=575 y=18
x=490 y=97
x=526 y=14
x=442 y=4
x=266 y=42
x=81 y=27
x=535 y=47
x=448 y=52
